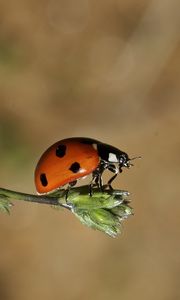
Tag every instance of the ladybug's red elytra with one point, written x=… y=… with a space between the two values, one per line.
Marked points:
x=71 y=159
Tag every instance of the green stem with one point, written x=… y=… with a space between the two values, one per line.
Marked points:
x=13 y=195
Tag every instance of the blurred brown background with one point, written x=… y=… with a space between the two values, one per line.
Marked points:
x=105 y=69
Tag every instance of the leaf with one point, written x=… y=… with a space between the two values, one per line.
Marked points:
x=5 y=205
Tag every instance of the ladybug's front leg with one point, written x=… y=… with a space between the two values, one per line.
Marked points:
x=115 y=170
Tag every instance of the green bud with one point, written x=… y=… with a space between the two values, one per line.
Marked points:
x=80 y=198
x=123 y=211
x=99 y=219
x=103 y=211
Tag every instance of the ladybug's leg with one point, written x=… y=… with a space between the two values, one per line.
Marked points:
x=99 y=181
x=94 y=182
x=97 y=178
x=115 y=170
x=110 y=181
x=71 y=184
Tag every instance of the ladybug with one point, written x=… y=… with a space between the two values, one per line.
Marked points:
x=72 y=159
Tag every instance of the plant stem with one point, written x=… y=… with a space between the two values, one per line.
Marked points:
x=10 y=195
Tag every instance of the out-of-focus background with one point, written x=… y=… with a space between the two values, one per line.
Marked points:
x=109 y=70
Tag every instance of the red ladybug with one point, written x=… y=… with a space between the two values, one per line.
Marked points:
x=71 y=159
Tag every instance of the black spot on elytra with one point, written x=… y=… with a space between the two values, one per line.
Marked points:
x=43 y=179
x=75 y=167
x=60 y=150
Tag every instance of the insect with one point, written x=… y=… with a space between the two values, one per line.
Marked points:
x=72 y=159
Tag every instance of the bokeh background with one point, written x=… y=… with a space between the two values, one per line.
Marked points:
x=110 y=70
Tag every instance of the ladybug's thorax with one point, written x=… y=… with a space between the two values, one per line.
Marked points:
x=112 y=154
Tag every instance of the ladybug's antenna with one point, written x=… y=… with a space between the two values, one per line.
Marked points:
x=136 y=157
x=133 y=158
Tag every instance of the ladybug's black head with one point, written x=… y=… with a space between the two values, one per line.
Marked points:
x=124 y=161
